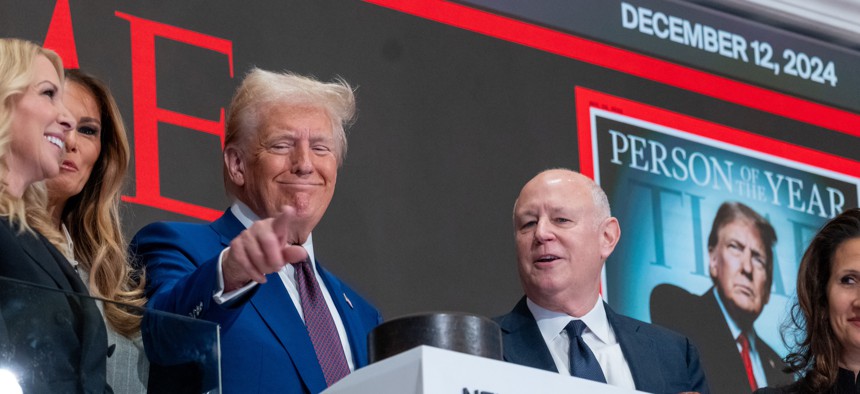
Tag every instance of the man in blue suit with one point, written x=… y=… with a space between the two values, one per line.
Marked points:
x=564 y=232
x=288 y=325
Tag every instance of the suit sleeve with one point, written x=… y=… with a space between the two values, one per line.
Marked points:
x=694 y=370
x=180 y=261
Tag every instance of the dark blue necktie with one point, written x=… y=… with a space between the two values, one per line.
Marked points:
x=583 y=364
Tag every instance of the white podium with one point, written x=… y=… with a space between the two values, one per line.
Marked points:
x=429 y=370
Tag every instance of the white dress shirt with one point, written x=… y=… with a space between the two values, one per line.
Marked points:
x=287 y=274
x=758 y=369
x=598 y=335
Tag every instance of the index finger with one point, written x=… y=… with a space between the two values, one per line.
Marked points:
x=283 y=225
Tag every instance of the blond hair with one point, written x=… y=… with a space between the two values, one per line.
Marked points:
x=16 y=74
x=92 y=218
x=261 y=90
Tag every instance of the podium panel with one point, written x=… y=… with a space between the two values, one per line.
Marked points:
x=429 y=370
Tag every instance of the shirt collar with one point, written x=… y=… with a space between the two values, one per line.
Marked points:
x=247 y=217
x=70 y=247
x=551 y=323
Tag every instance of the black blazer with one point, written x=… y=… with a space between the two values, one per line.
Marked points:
x=700 y=318
x=55 y=340
x=845 y=383
x=660 y=361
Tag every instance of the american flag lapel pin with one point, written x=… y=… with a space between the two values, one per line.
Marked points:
x=348 y=301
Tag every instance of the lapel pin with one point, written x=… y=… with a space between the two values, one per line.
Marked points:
x=348 y=301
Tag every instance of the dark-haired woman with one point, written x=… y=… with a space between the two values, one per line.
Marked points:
x=826 y=317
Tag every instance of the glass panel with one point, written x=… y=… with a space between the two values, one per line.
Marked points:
x=52 y=341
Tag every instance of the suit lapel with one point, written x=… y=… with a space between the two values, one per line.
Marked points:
x=275 y=307
x=639 y=351
x=273 y=304
x=771 y=363
x=88 y=320
x=523 y=342
x=728 y=359
x=352 y=324
x=228 y=226
x=94 y=334
x=56 y=266
x=74 y=279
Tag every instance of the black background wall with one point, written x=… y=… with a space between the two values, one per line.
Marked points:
x=451 y=124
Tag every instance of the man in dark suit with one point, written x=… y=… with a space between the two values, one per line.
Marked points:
x=564 y=233
x=288 y=325
x=720 y=322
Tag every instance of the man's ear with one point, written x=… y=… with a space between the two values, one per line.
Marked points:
x=610 y=233
x=235 y=164
x=712 y=262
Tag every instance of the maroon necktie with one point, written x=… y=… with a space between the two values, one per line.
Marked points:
x=745 y=356
x=320 y=325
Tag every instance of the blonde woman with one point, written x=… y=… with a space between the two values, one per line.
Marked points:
x=52 y=342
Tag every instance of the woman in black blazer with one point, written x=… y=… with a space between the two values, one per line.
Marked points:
x=54 y=338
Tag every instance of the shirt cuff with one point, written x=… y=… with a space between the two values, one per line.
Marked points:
x=220 y=297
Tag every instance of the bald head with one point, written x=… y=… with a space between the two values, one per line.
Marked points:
x=558 y=177
x=564 y=233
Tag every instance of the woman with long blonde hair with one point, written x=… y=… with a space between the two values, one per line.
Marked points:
x=53 y=337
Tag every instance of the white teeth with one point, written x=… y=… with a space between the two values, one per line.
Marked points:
x=56 y=141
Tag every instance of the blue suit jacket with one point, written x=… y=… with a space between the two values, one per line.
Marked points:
x=265 y=346
x=660 y=360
